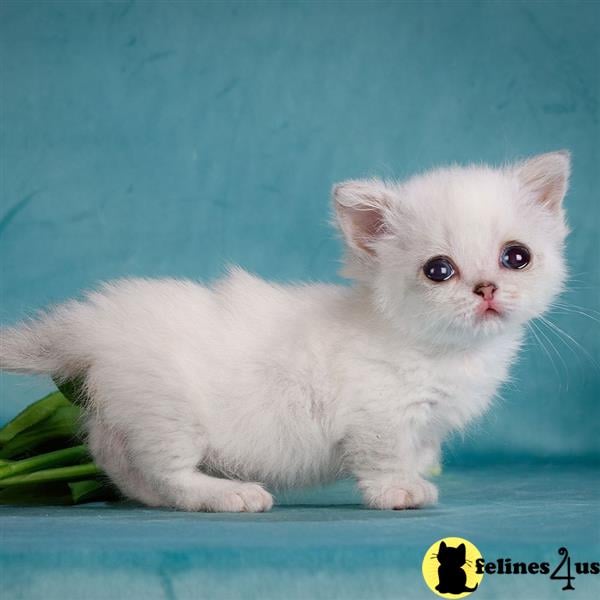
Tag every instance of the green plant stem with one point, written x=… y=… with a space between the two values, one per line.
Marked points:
x=61 y=425
x=33 y=414
x=73 y=473
x=88 y=489
x=72 y=389
x=43 y=494
x=68 y=456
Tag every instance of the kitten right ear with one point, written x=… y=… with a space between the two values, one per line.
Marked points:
x=546 y=176
x=360 y=208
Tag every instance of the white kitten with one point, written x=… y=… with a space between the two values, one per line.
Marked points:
x=193 y=393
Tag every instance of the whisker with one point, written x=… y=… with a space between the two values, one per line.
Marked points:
x=542 y=333
x=573 y=308
x=560 y=333
x=530 y=326
x=564 y=310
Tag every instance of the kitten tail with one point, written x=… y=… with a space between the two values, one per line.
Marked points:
x=26 y=349
x=35 y=347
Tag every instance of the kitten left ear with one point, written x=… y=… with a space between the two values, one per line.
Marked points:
x=546 y=177
x=360 y=207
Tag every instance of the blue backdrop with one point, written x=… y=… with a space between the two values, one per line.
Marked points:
x=169 y=138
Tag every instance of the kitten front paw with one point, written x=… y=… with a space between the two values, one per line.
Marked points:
x=399 y=494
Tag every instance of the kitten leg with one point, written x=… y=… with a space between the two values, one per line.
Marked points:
x=160 y=474
x=390 y=458
x=110 y=453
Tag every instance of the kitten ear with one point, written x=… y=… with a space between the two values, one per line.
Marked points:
x=546 y=177
x=442 y=546
x=360 y=207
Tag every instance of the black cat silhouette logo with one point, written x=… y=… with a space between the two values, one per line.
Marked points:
x=449 y=568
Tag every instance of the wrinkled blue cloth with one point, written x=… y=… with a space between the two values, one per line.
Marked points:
x=315 y=544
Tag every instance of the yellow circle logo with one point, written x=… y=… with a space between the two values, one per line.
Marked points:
x=449 y=568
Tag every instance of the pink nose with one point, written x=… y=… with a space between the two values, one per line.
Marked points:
x=485 y=289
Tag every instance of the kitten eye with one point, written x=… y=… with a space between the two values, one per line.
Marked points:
x=515 y=256
x=438 y=269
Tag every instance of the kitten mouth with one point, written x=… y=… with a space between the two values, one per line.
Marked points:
x=490 y=312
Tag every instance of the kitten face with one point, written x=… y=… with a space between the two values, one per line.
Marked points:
x=460 y=253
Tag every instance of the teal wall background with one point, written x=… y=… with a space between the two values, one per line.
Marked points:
x=169 y=138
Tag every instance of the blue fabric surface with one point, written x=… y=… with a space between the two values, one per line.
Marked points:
x=314 y=545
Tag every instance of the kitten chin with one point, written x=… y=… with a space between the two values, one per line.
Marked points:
x=199 y=397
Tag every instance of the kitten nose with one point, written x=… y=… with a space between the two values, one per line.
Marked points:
x=485 y=289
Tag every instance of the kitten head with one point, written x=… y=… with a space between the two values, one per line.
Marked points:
x=458 y=254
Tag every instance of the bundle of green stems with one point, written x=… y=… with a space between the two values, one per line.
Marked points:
x=44 y=459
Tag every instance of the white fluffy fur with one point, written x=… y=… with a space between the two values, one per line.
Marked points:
x=194 y=393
